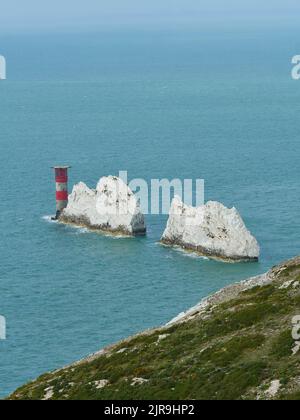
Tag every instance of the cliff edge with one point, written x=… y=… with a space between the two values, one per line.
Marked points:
x=242 y=343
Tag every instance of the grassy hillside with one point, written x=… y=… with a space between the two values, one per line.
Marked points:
x=237 y=345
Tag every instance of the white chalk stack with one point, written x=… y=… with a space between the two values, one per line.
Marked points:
x=212 y=230
x=111 y=207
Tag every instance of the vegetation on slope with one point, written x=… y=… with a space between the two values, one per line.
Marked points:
x=240 y=348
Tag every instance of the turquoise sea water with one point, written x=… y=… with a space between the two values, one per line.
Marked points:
x=213 y=102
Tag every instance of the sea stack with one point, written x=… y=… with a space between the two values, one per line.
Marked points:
x=110 y=208
x=212 y=230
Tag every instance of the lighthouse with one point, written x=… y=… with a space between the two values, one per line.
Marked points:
x=61 y=180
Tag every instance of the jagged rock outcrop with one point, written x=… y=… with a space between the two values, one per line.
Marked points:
x=212 y=230
x=111 y=207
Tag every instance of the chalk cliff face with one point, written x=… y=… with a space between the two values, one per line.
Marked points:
x=212 y=230
x=112 y=207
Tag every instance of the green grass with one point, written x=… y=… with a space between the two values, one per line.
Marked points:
x=233 y=352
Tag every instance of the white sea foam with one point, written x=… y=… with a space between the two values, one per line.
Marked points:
x=114 y=236
x=49 y=219
x=80 y=230
x=190 y=254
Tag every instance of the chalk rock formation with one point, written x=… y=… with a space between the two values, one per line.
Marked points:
x=212 y=230
x=112 y=208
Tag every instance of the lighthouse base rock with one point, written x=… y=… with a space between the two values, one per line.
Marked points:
x=111 y=207
x=211 y=230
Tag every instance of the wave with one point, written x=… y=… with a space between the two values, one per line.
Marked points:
x=49 y=219
x=191 y=254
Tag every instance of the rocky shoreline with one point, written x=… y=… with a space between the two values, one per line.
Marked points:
x=82 y=222
x=204 y=252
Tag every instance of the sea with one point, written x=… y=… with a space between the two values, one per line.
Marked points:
x=214 y=100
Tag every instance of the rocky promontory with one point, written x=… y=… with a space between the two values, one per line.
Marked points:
x=242 y=343
x=111 y=208
x=211 y=230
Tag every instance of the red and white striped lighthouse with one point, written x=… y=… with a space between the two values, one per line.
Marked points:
x=61 y=179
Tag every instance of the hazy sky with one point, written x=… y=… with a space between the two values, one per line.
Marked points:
x=16 y=15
